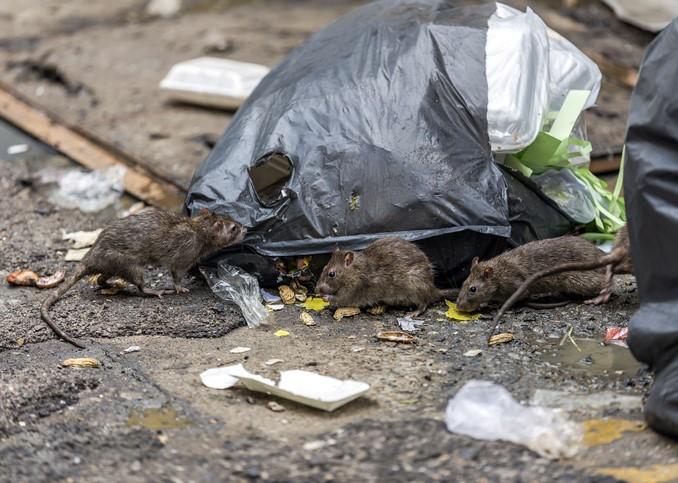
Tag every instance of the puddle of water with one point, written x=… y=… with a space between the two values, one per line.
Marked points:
x=604 y=431
x=11 y=135
x=592 y=357
x=158 y=419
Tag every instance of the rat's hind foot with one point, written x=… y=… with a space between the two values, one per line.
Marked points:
x=179 y=289
x=603 y=298
x=150 y=291
x=416 y=313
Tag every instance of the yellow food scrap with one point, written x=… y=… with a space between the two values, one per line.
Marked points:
x=315 y=303
x=354 y=202
x=651 y=474
x=281 y=333
x=605 y=431
x=455 y=314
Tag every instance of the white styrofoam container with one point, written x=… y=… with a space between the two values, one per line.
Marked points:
x=213 y=82
x=309 y=388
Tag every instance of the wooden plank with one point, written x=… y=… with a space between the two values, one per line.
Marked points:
x=138 y=181
x=605 y=165
x=625 y=76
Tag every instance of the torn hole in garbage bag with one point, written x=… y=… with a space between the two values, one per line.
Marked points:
x=270 y=177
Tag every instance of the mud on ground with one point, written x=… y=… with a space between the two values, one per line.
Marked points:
x=146 y=416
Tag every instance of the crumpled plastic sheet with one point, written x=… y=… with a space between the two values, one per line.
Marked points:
x=568 y=192
x=485 y=410
x=233 y=284
x=88 y=191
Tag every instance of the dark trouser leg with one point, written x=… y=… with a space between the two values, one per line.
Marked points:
x=651 y=194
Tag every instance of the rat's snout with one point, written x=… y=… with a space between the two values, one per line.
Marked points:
x=464 y=304
x=323 y=289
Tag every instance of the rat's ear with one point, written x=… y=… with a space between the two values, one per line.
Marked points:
x=474 y=262
x=219 y=225
x=348 y=259
x=487 y=272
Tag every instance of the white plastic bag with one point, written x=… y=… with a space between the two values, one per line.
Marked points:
x=530 y=69
x=485 y=410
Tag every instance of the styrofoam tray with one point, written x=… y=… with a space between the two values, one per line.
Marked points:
x=309 y=388
x=212 y=81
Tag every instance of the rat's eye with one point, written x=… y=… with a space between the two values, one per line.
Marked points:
x=233 y=228
x=472 y=289
x=332 y=274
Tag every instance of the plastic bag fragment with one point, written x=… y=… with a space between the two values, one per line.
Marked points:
x=235 y=285
x=485 y=410
x=89 y=191
x=569 y=193
x=408 y=324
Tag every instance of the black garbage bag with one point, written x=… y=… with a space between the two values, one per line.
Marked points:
x=651 y=193
x=375 y=126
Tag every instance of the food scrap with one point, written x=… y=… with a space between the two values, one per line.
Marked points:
x=315 y=303
x=286 y=294
x=396 y=336
x=342 y=312
x=306 y=319
x=455 y=314
x=502 y=338
x=25 y=278
x=81 y=362
x=616 y=336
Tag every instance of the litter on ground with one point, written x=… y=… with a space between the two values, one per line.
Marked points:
x=308 y=388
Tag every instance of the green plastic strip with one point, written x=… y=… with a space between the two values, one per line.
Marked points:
x=553 y=149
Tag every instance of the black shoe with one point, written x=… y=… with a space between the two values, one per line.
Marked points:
x=661 y=408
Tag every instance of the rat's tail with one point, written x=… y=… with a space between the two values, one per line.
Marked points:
x=614 y=257
x=80 y=272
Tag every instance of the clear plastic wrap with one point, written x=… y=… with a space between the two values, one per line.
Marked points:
x=569 y=193
x=88 y=191
x=485 y=410
x=235 y=285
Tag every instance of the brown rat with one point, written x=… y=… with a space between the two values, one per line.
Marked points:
x=155 y=237
x=389 y=271
x=494 y=280
x=618 y=261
